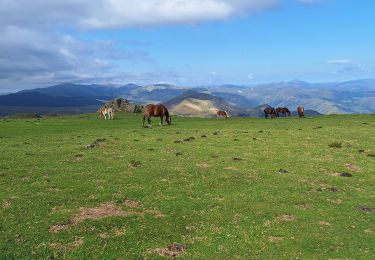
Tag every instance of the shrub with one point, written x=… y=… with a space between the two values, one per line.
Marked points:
x=335 y=145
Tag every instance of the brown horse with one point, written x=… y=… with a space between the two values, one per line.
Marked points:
x=269 y=111
x=301 y=111
x=157 y=111
x=283 y=110
x=222 y=113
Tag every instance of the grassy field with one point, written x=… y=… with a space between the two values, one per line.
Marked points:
x=200 y=188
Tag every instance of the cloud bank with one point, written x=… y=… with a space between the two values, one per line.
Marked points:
x=35 y=47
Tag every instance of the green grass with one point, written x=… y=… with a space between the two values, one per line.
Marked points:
x=218 y=207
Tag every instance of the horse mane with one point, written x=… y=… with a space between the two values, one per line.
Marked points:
x=166 y=110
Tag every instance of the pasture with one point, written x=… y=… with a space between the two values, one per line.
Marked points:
x=289 y=188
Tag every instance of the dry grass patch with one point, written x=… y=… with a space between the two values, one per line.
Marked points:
x=231 y=168
x=78 y=242
x=284 y=217
x=203 y=165
x=6 y=204
x=275 y=239
x=133 y=204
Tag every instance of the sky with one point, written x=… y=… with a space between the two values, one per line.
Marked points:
x=184 y=42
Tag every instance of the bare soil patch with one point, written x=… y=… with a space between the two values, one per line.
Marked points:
x=104 y=210
x=366 y=209
x=171 y=251
x=352 y=167
x=108 y=209
x=78 y=157
x=6 y=204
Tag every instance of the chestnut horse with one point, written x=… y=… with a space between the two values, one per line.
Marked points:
x=301 y=111
x=222 y=113
x=269 y=111
x=283 y=110
x=157 y=111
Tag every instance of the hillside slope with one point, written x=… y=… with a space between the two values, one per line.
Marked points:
x=192 y=103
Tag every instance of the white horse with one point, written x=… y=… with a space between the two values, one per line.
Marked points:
x=107 y=113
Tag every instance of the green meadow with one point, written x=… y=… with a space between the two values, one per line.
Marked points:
x=77 y=187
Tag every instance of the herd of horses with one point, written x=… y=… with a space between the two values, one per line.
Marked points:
x=282 y=111
x=161 y=111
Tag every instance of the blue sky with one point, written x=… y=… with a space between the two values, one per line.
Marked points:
x=209 y=42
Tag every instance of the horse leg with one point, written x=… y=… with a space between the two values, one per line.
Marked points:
x=149 y=121
x=265 y=115
x=161 y=120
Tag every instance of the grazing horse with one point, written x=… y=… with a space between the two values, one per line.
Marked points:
x=301 y=111
x=283 y=110
x=106 y=113
x=222 y=113
x=157 y=111
x=269 y=111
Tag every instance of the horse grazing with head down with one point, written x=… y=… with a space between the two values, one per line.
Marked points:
x=301 y=111
x=284 y=111
x=269 y=111
x=157 y=111
x=222 y=113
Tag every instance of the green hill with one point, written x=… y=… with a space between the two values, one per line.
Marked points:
x=78 y=187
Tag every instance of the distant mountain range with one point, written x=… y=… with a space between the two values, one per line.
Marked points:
x=325 y=98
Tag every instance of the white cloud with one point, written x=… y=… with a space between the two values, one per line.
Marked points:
x=34 y=48
x=104 y=14
x=344 y=66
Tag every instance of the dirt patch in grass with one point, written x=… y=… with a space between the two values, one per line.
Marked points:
x=371 y=155
x=78 y=157
x=97 y=143
x=370 y=231
x=237 y=159
x=172 y=251
x=189 y=139
x=6 y=204
x=108 y=209
x=366 y=209
x=352 y=167
x=284 y=217
x=203 y=165
x=104 y=210
x=324 y=223
x=275 y=239
x=283 y=171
